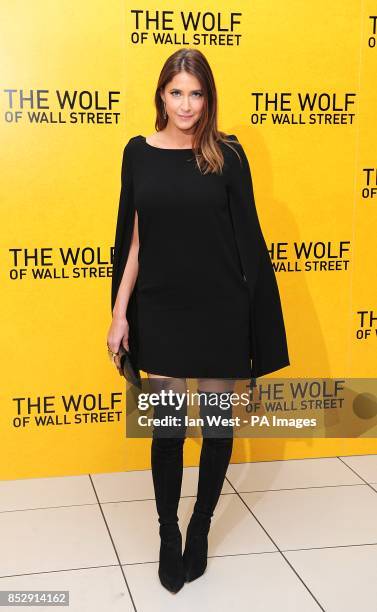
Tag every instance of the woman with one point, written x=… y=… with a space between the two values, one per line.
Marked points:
x=194 y=293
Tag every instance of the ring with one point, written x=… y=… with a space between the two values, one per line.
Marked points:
x=111 y=354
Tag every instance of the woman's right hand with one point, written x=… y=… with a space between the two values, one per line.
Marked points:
x=117 y=335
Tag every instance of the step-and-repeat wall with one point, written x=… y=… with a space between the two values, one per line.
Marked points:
x=296 y=83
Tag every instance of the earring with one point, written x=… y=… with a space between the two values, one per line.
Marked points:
x=164 y=113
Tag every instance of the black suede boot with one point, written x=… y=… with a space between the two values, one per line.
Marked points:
x=214 y=460
x=167 y=472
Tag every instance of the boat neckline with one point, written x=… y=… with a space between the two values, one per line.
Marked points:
x=161 y=148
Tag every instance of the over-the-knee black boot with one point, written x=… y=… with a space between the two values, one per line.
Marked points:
x=167 y=472
x=214 y=460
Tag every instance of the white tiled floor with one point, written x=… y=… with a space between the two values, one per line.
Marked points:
x=295 y=535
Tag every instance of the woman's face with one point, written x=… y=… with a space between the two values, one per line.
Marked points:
x=184 y=99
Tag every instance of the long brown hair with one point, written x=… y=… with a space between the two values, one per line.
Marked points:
x=207 y=137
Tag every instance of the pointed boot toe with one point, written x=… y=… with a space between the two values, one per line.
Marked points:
x=196 y=548
x=171 y=569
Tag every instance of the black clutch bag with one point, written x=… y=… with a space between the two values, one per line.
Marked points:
x=128 y=368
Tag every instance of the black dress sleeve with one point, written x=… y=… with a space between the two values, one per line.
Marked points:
x=125 y=222
x=269 y=351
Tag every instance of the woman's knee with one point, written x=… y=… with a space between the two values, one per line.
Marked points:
x=216 y=385
x=171 y=410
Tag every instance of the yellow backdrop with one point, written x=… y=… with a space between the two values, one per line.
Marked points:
x=296 y=83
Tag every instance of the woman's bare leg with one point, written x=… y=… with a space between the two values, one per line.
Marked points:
x=174 y=387
x=216 y=384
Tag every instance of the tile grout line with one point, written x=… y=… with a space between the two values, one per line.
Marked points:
x=235 y=492
x=58 y=571
x=241 y=463
x=277 y=547
x=131 y=501
x=112 y=541
x=333 y=486
x=363 y=479
x=224 y=556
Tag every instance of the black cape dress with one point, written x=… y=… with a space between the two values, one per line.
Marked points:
x=206 y=301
